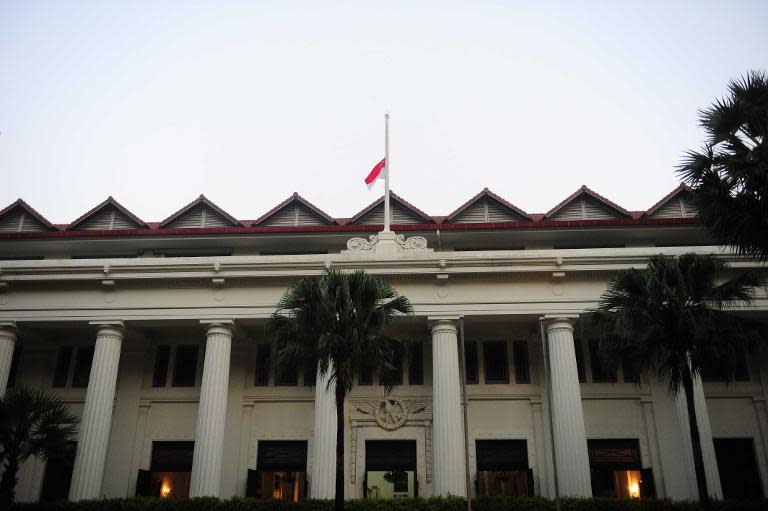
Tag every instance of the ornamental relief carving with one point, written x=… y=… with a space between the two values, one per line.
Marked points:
x=391 y=412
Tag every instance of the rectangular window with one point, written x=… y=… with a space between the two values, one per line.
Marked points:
x=58 y=475
x=600 y=373
x=63 y=359
x=14 y=371
x=393 y=376
x=170 y=471
x=263 y=356
x=310 y=373
x=416 y=365
x=631 y=369
x=522 y=367
x=281 y=471
x=82 y=367
x=365 y=377
x=616 y=470
x=162 y=358
x=736 y=462
x=714 y=372
x=390 y=469
x=502 y=468
x=495 y=362
x=287 y=375
x=470 y=362
x=185 y=366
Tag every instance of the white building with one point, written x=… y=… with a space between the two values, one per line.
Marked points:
x=153 y=333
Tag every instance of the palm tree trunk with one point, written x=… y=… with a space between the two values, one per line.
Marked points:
x=698 y=458
x=339 y=497
x=8 y=481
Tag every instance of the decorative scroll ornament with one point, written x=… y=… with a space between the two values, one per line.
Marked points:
x=358 y=244
x=412 y=243
x=391 y=414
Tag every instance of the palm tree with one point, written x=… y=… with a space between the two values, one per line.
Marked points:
x=337 y=321
x=729 y=176
x=672 y=318
x=32 y=423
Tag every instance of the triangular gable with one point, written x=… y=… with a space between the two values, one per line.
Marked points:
x=403 y=213
x=486 y=207
x=676 y=204
x=293 y=212
x=110 y=215
x=199 y=213
x=585 y=204
x=21 y=217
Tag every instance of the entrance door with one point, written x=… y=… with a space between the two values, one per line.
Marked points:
x=281 y=471
x=738 y=468
x=390 y=469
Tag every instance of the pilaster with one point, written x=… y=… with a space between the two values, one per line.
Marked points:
x=7 y=343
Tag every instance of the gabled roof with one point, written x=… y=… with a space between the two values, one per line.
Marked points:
x=29 y=210
x=486 y=193
x=681 y=188
x=110 y=202
x=397 y=200
x=590 y=193
x=201 y=201
x=298 y=199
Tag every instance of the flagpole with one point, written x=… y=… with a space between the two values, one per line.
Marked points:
x=387 y=216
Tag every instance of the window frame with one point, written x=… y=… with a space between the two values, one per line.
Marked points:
x=485 y=355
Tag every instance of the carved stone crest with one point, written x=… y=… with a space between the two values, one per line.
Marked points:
x=391 y=413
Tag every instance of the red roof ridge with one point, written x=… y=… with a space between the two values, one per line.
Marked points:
x=295 y=197
x=29 y=209
x=582 y=190
x=108 y=201
x=486 y=192
x=200 y=200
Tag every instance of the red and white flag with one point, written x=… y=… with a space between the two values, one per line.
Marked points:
x=376 y=173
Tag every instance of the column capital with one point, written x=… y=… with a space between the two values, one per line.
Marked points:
x=218 y=326
x=8 y=329
x=109 y=327
x=558 y=321
x=443 y=323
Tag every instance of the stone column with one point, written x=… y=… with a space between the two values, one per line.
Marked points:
x=448 y=425
x=7 y=342
x=322 y=481
x=212 y=411
x=705 y=434
x=96 y=420
x=567 y=416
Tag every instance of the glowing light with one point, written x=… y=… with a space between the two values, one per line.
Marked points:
x=633 y=484
x=165 y=489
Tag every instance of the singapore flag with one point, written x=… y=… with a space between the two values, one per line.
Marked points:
x=377 y=173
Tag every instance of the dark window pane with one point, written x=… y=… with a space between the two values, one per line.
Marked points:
x=310 y=373
x=501 y=454
x=365 y=377
x=416 y=365
x=287 y=375
x=282 y=455
x=58 y=475
x=714 y=371
x=393 y=376
x=172 y=456
x=14 y=371
x=262 y=364
x=470 y=358
x=82 y=366
x=390 y=454
x=600 y=373
x=62 y=366
x=495 y=361
x=623 y=453
x=579 y=348
x=185 y=366
x=522 y=368
x=739 y=474
x=162 y=357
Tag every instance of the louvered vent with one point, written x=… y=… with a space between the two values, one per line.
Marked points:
x=584 y=208
x=400 y=216
x=486 y=211
x=198 y=217
x=294 y=215
x=678 y=207
x=19 y=220
x=107 y=219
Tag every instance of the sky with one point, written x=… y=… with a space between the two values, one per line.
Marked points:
x=156 y=102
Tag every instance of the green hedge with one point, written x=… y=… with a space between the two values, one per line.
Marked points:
x=419 y=504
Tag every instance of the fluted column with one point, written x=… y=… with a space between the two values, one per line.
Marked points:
x=448 y=435
x=705 y=435
x=7 y=342
x=212 y=411
x=322 y=481
x=567 y=415
x=96 y=420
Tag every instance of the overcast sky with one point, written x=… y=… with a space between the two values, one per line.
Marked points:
x=157 y=102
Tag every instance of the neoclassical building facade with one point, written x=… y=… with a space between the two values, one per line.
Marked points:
x=153 y=334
